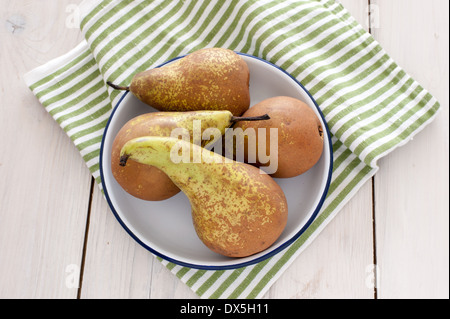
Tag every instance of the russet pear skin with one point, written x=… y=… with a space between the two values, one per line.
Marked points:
x=300 y=134
x=207 y=79
x=148 y=182
x=237 y=210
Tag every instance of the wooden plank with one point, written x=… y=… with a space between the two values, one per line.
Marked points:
x=115 y=265
x=412 y=186
x=45 y=184
x=338 y=264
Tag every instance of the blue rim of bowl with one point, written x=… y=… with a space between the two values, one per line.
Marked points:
x=237 y=265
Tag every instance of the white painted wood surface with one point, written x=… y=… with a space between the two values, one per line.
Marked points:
x=54 y=223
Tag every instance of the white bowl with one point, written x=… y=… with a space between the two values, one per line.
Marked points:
x=165 y=228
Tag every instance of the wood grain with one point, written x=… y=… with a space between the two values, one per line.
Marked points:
x=412 y=202
x=45 y=184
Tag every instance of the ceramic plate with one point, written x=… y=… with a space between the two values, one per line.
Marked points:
x=165 y=228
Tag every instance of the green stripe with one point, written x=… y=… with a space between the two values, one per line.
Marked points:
x=114 y=94
x=90 y=142
x=217 y=26
x=182 y=272
x=341 y=159
x=139 y=53
x=106 y=16
x=94 y=11
x=316 y=47
x=272 y=17
x=170 y=266
x=62 y=70
x=94 y=169
x=327 y=56
x=74 y=74
x=386 y=118
x=233 y=25
x=337 y=62
x=82 y=83
x=379 y=121
x=195 y=277
x=98 y=180
x=403 y=135
x=395 y=127
x=293 y=33
x=244 y=284
x=100 y=86
x=299 y=30
x=305 y=38
x=205 y=26
x=336 y=144
x=87 y=119
x=89 y=130
x=167 y=45
x=352 y=122
x=91 y=155
x=227 y=283
x=250 y=17
x=89 y=107
x=357 y=79
x=208 y=283
x=329 y=4
x=337 y=180
x=109 y=46
x=117 y=24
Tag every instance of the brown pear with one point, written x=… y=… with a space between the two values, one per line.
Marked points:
x=207 y=79
x=300 y=135
x=142 y=181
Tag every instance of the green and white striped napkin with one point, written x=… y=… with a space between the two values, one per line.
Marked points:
x=372 y=106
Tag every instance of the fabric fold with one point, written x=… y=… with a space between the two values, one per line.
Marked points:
x=371 y=105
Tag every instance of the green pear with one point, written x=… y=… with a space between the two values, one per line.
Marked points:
x=207 y=79
x=148 y=182
x=237 y=209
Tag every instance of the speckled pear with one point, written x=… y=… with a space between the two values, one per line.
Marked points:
x=237 y=210
x=207 y=79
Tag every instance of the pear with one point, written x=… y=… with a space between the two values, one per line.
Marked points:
x=148 y=182
x=207 y=79
x=237 y=209
x=300 y=135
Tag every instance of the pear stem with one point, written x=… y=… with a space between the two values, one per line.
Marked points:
x=118 y=87
x=235 y=119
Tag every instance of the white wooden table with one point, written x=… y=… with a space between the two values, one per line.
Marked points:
x=55 y=223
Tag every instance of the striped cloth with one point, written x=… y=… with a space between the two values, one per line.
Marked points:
x=372 y=106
